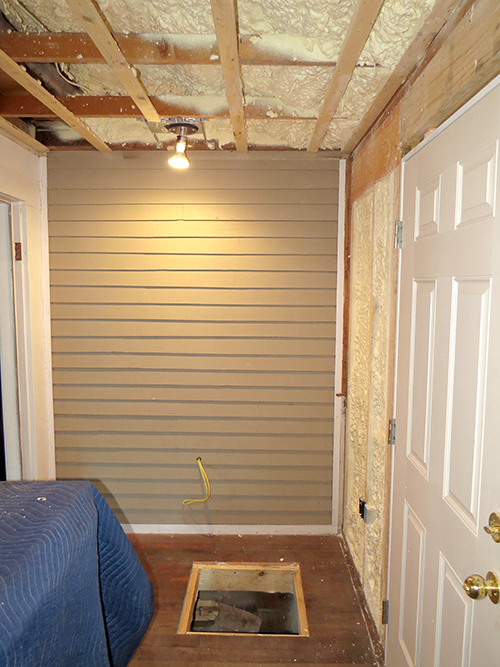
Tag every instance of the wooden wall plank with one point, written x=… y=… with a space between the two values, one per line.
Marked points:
x=308 y=212
x=192 y=362
x=196 y=317
x=277 y=161
x=208 y=279
x=218 y=179
x=241 y=395
x=193 y=409
x=233 y=449
x=207 y=379
x=177 y=473
x=204 y=197
x=203 y=230
x=193 y=246
x=159 y=262
x=192 y=330
x=171 y=296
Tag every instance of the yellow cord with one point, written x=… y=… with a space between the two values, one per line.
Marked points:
x=206 y=481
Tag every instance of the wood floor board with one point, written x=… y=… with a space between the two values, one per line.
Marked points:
x=336 y=623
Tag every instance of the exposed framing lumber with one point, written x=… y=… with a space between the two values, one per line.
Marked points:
x=227 y=39
x=440 y=14
x=111 y=106
x=90 y=17
x=20 y=137
x=362 y=22
x=138 y=49
x=22 y=77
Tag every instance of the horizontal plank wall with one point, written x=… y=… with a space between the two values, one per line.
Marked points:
x=193 y=314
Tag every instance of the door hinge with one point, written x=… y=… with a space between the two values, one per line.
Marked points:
x=392 y=432
x=18 y=252
x=398 y=236
x=385 y=612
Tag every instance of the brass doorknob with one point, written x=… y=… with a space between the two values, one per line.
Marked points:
x=493 y=527
x=478 y=588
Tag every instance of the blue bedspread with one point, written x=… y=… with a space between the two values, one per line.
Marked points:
x=72 y=591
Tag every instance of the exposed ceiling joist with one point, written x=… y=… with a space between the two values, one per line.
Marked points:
x=22 y=77
x=89 y=16
x=20 y=136
x=227 y=40
x=137 y=49
x=111 y=106
x=362 y=22
x=441 y=13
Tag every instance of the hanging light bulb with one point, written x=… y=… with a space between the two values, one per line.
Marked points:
x=179 y=159
x=182 y=128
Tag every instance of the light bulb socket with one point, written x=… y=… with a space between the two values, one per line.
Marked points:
x=181 y=145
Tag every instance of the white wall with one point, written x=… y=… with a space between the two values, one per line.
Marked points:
x=23 y=181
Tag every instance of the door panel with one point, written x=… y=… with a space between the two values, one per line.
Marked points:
x=453 y=619
x=463 y=446
x=412 y=588
x=447 y=458
x=422 y=371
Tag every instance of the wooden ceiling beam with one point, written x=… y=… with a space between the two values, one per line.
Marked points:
x=89 y=16
x=21 y=76
x=227 y=40
x=21 y=137
x=364 y=17
x=111 y=106
x=137 y=49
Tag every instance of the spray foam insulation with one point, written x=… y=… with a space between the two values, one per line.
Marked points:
x=296 y=29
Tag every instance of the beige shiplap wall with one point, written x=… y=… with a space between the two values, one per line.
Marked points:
x=193 y=314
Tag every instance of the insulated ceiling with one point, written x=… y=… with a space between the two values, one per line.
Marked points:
x=283 y=58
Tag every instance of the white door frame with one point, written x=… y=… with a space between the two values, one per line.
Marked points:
x=17 y=380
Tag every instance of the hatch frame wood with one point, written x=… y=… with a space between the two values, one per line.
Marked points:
x=192 y=590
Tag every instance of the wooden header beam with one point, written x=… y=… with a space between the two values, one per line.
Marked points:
x=137 y=49
x=362 y=22
x=89 y=16
x=22 y=77
x=227 y=39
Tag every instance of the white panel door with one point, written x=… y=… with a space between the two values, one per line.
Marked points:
x=447 y=459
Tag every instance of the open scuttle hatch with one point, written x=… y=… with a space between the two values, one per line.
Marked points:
x=244 y=598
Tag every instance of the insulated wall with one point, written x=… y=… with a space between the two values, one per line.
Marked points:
x=193 y=314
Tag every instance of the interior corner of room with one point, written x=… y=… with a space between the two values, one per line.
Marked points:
x=262 y=355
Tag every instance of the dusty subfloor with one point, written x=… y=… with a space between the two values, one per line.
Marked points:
x=338 y=633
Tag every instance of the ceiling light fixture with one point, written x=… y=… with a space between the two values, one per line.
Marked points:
x=182 y=129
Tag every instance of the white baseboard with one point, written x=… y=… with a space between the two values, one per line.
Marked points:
x=193 y=529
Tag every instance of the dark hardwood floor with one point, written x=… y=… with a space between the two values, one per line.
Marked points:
x=338 y=632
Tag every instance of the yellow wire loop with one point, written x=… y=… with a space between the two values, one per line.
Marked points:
x=206 y=482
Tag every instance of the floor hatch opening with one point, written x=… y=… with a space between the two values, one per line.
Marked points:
x=244 y=598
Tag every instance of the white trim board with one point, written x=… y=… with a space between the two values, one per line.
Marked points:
x=49 y=453
x=339 y=400
x=207 y=529
x=8 y=359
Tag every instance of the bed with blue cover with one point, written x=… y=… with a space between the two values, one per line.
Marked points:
x=72 y=590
